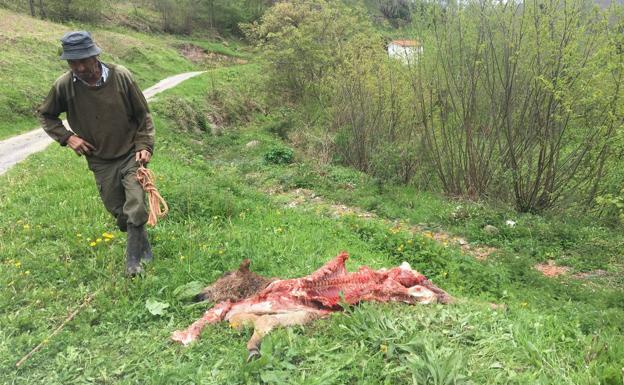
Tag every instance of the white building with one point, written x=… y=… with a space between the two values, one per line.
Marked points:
x=404 y=50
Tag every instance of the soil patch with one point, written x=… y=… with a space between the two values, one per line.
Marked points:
x=549 y=269
x=199 y=55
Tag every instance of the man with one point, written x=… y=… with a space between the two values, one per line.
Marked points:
x=112 y=127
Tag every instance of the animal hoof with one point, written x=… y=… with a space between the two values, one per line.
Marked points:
x=254 y=354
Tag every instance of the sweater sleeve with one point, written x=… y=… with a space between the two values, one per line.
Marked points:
x=48 y=114
x=144 y=139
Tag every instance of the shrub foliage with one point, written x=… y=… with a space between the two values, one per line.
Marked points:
x=520 y=101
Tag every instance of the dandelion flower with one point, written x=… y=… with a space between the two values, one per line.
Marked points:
x=17 y=264
x=92 y=244
x=108 y=235
x=79 y=235
x=383 y=348
x=98 y=240
x=26 y=226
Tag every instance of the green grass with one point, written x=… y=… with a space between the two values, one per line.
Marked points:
x=561 y=331
x=25 y=40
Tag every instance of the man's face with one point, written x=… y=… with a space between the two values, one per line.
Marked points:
x=86 y=69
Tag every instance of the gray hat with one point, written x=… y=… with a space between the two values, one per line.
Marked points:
x=78 y=45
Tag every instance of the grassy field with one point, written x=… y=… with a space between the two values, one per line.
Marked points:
x=25 y=41
x=58 y=245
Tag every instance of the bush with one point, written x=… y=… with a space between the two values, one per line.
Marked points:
x=279 y=155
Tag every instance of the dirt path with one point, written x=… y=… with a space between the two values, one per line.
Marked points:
x=18 y=148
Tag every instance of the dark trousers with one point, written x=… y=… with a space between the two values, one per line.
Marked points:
x=119 y=189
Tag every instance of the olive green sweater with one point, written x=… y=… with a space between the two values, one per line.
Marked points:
x=114 y=117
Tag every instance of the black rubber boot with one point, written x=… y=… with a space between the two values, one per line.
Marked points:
x=146 y=253
x=134 y=251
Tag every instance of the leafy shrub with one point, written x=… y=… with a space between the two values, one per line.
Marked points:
x=279 y=155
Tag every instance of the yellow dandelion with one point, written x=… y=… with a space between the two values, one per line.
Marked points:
x=17 y=264
x=98 y=240
x=26 y=226
x=79 y=235
x=108 y=235
x=27 y=272
x=106 y=239
x=182 y=257
x=92 y=244
x=383 y=348
x=524 y=304
x=220 y=251
x=445 y=274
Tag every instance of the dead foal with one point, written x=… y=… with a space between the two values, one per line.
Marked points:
x=299 y=301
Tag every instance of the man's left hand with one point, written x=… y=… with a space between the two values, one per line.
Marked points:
x=143 y=156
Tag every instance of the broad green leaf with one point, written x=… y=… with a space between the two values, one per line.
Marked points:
x=155 y=307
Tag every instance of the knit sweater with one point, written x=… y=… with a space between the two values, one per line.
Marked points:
x=113 y=117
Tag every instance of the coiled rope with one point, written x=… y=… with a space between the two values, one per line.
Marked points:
x=157 y=206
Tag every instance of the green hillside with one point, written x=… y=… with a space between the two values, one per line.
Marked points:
x=252 y=158
x=29 y=61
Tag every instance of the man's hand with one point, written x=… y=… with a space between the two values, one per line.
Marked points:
x=79 y=145
x=143 y=156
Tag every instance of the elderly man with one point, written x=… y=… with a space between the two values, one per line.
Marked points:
x=112 y=127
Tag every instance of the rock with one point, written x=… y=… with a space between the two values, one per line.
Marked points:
x=252 y=144
x=491 y=230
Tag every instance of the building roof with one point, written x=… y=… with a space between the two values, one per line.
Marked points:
x=406 y=43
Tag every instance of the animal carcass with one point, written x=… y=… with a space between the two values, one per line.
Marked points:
x=300 y=300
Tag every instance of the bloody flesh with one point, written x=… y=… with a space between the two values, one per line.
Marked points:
x=301 y=300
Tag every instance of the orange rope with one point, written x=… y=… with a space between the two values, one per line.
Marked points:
x=157 y=206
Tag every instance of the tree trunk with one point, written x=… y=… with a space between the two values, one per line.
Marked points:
x=42 y=12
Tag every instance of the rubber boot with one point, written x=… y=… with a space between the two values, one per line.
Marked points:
x=134 y=250
x=146 y=253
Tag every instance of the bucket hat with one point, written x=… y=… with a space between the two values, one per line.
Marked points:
x=78 y=45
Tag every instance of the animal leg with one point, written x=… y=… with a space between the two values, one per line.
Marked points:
x=264 y=324
x=211 y=316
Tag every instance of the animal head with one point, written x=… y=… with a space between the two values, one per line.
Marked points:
x=235 y=285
